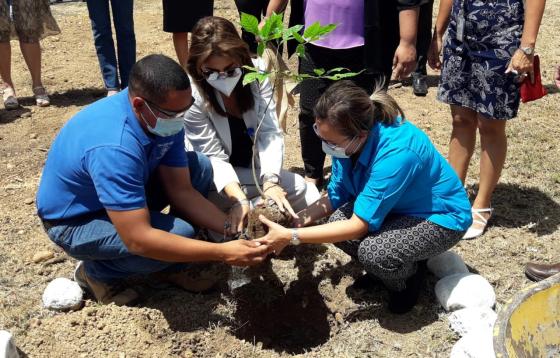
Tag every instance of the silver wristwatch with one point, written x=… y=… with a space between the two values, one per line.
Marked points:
x=295 y=238
x=272 y=178
x=528 y=50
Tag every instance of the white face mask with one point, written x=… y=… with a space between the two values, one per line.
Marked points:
x=335 y=151
x=165 y=127
x=224 y=82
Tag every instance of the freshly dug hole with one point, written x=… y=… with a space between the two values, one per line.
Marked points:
x=256 y=229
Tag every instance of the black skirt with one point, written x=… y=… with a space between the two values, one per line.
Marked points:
x=182 y=15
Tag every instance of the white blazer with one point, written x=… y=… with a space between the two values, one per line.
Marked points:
x=208 y=132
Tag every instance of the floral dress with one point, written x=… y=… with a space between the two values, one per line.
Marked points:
x=29 y=20
x=481 y=39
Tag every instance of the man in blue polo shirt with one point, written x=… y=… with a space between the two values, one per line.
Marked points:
x=109 y=173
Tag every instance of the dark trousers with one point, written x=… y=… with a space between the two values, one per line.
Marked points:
x=424 y=36
x=256 y=8
x=311 y=89
x=102 y=35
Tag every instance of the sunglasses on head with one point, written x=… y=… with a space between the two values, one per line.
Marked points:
x=213 y=75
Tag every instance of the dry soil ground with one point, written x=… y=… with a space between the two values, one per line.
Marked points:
x=305 y=303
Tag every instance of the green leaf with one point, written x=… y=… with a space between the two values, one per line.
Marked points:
x=249 y=78
x=312 y=31
x=250 y=23
x=298 y=37
x=266 y=29
x=324 y=30
x=300 y=50
x=291 y=32
x=252 y=69
x=340 y=76
x=337 y=69
x=260 y=48
x=319 y=71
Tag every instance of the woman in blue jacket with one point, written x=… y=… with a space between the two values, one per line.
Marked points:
x=393 y=200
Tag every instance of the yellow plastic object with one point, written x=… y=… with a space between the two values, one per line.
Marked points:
x=529 y=323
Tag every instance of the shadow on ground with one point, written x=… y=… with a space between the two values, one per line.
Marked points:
x=72 y=97
x=516 y=206
x=14 y=114
x=293 y=319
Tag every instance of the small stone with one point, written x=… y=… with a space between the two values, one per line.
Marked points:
x=447 y=264
x=464 y=290
x=26 y=115
x=62 y=294
x=471 y=319
x=339 y=317
x=34 y=322
x=28 y=201
x=33 y=136
x=476 y=344
x=100 y=325
x=7 y=346
x=42 y=256
x=10 y=166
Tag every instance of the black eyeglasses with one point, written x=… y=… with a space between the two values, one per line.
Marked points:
x=168 y=113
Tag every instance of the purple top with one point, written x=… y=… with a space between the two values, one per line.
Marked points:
x=347 y=14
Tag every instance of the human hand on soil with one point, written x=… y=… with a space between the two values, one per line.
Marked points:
x=404 y=61
x=244 y=252
x=277 y=193
x=277 y=238
x=521 y=64
x=238 y=217
x=434 y=52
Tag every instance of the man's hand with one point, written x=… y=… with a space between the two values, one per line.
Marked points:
x=404 y=61
x=244 y=252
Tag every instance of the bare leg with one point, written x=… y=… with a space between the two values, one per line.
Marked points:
x=6 y=64
x=493 y=143
x=463 y=140
x=181 y=43
x=32 y=55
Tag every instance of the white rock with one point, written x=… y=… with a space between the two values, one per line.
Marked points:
x=476 y=344
x=464 y=290
x=446 y=264
x=471 y=319
x=7 y=347
x=62 y=294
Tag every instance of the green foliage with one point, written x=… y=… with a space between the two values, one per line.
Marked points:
x=274 y=31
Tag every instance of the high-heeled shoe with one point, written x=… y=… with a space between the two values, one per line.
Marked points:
x=10 y=99
x=479 y=223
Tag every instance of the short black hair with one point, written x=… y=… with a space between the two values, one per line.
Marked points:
x=154 y=76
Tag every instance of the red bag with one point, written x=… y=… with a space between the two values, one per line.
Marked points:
x=533 y=91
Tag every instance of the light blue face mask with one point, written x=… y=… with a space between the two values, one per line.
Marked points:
x=165 y=127
x=335 y=151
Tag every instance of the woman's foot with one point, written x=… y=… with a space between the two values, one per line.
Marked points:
x=10 y=99
x=41 y=96
x=480 y=221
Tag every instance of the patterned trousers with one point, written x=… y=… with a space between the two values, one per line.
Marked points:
x=392 y=252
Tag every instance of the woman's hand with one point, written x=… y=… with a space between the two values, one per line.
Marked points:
x=277 y=238
x=434 y=53
x=238 y=215
x=404 y=61
x=521 y=64
x=276 y=193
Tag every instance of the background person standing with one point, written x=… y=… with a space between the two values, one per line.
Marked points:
x=115 y=67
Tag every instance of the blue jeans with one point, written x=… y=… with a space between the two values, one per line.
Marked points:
x=94 y=239
x=102 y=35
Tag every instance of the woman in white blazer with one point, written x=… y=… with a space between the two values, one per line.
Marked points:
x=223 y=121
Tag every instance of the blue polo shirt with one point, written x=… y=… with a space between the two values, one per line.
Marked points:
x=102 y=159
x=400 y=172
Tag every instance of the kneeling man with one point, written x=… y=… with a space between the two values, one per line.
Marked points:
x=112 y=169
